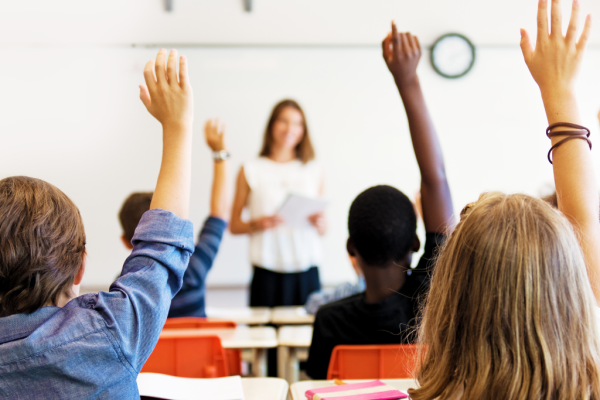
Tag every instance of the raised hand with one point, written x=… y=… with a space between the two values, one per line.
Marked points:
x=401 y=52
x=171 y=102
x=167 y=95
x=214 y=133
x=555 y=61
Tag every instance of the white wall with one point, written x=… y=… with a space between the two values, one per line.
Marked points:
x=271 y=21
x=71 y=115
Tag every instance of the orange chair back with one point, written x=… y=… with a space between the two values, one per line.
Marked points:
x=373 y=361
x=188 y=357
x=233 y=356
x=196 y=323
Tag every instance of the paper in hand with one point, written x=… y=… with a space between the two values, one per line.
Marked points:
x=296 y=210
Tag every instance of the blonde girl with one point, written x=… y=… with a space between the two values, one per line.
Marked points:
x=511 y=313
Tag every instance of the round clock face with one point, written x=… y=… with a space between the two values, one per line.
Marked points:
x=453 y=55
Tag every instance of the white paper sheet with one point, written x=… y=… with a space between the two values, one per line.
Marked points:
x=296 y=210
x=176 y=388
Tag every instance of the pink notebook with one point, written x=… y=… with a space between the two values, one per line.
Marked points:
x=373 y=390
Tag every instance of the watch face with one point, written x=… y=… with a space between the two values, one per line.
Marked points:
x=453 y=55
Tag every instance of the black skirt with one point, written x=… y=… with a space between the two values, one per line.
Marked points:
x=272 y=289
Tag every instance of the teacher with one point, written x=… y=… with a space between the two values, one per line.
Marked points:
x=285 y=260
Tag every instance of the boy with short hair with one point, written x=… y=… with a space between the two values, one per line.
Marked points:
x=382 y=226
x=55 y=345
x=190 y=300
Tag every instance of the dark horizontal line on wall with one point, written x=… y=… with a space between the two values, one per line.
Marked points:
x=340 y=46
x=241 y=45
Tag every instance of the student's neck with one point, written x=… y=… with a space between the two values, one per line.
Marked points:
x=282 y=155
x=383 y=282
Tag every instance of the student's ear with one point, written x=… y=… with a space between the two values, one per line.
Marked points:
x=81 y=271
x=350 y=248
x=416 y=244
x=126 y=242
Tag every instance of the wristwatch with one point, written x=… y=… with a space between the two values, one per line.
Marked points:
x=220 y=155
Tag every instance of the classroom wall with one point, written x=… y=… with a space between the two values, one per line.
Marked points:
x=71 y=113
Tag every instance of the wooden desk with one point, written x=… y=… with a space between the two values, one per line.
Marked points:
x=241 y=315
x=264 y=388
x=242 y=337
x=295 y=315
x=298 y=389
x=294 y=342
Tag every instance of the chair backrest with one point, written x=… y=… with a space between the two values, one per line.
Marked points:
x=233 y=356
x=390 y=361
x=188 y=357
x=196 y=323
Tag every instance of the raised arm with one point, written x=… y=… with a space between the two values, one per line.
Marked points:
x=554 y=65
x=402 y=53
x=171 y=102
x=214 y=136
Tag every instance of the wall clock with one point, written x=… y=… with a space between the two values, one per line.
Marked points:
x=453 y=56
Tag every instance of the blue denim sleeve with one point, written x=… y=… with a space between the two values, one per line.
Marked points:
x=208 y=242
x=136 y=307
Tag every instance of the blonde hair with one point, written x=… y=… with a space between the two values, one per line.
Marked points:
x=510 y=313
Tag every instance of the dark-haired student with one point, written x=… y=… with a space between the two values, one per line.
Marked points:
x=382 y=226
x=190 y=300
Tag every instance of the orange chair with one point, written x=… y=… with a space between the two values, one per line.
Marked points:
x=233 y=356
x=197 y=323
x=373 y=361
x=188 y=357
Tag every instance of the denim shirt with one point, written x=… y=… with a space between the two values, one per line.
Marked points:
x=190 y=301
x=95 y=346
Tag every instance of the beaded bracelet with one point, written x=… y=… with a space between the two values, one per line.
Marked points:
x=581 y=133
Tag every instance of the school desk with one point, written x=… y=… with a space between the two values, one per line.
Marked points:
x=252 y=388
x=294 y=315
x=264 y=388
x=298 y=389
x=294 y=342
x=241 y=315
x=259 y=339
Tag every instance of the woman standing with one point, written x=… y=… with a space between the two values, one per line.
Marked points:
x=285 y=259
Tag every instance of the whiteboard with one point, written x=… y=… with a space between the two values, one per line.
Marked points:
x=71 y=116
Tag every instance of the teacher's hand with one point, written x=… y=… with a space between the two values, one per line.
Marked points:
x=265 y=223
x=318 y=221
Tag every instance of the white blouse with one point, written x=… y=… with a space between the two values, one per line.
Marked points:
x=282 y=249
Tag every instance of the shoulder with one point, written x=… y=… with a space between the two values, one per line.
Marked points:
x=337 y=309
x=433 y=244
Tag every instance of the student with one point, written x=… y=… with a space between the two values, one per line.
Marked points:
x=55 y=345
x=382 y=226
x=512 y=313
x=324 y=296
x=190 y=300
x=285 y=260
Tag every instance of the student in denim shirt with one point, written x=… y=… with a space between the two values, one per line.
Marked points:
x=54 y=345
x=190 y=300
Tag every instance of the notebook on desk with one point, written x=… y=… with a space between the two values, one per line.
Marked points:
x=373 y=390
x=159 y=386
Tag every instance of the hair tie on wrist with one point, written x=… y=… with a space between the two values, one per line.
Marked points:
x=565 y=125
x=581 y=133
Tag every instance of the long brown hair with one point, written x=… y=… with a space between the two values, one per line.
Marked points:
x=304 y=149
x=42 y=244
x=510 y=313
